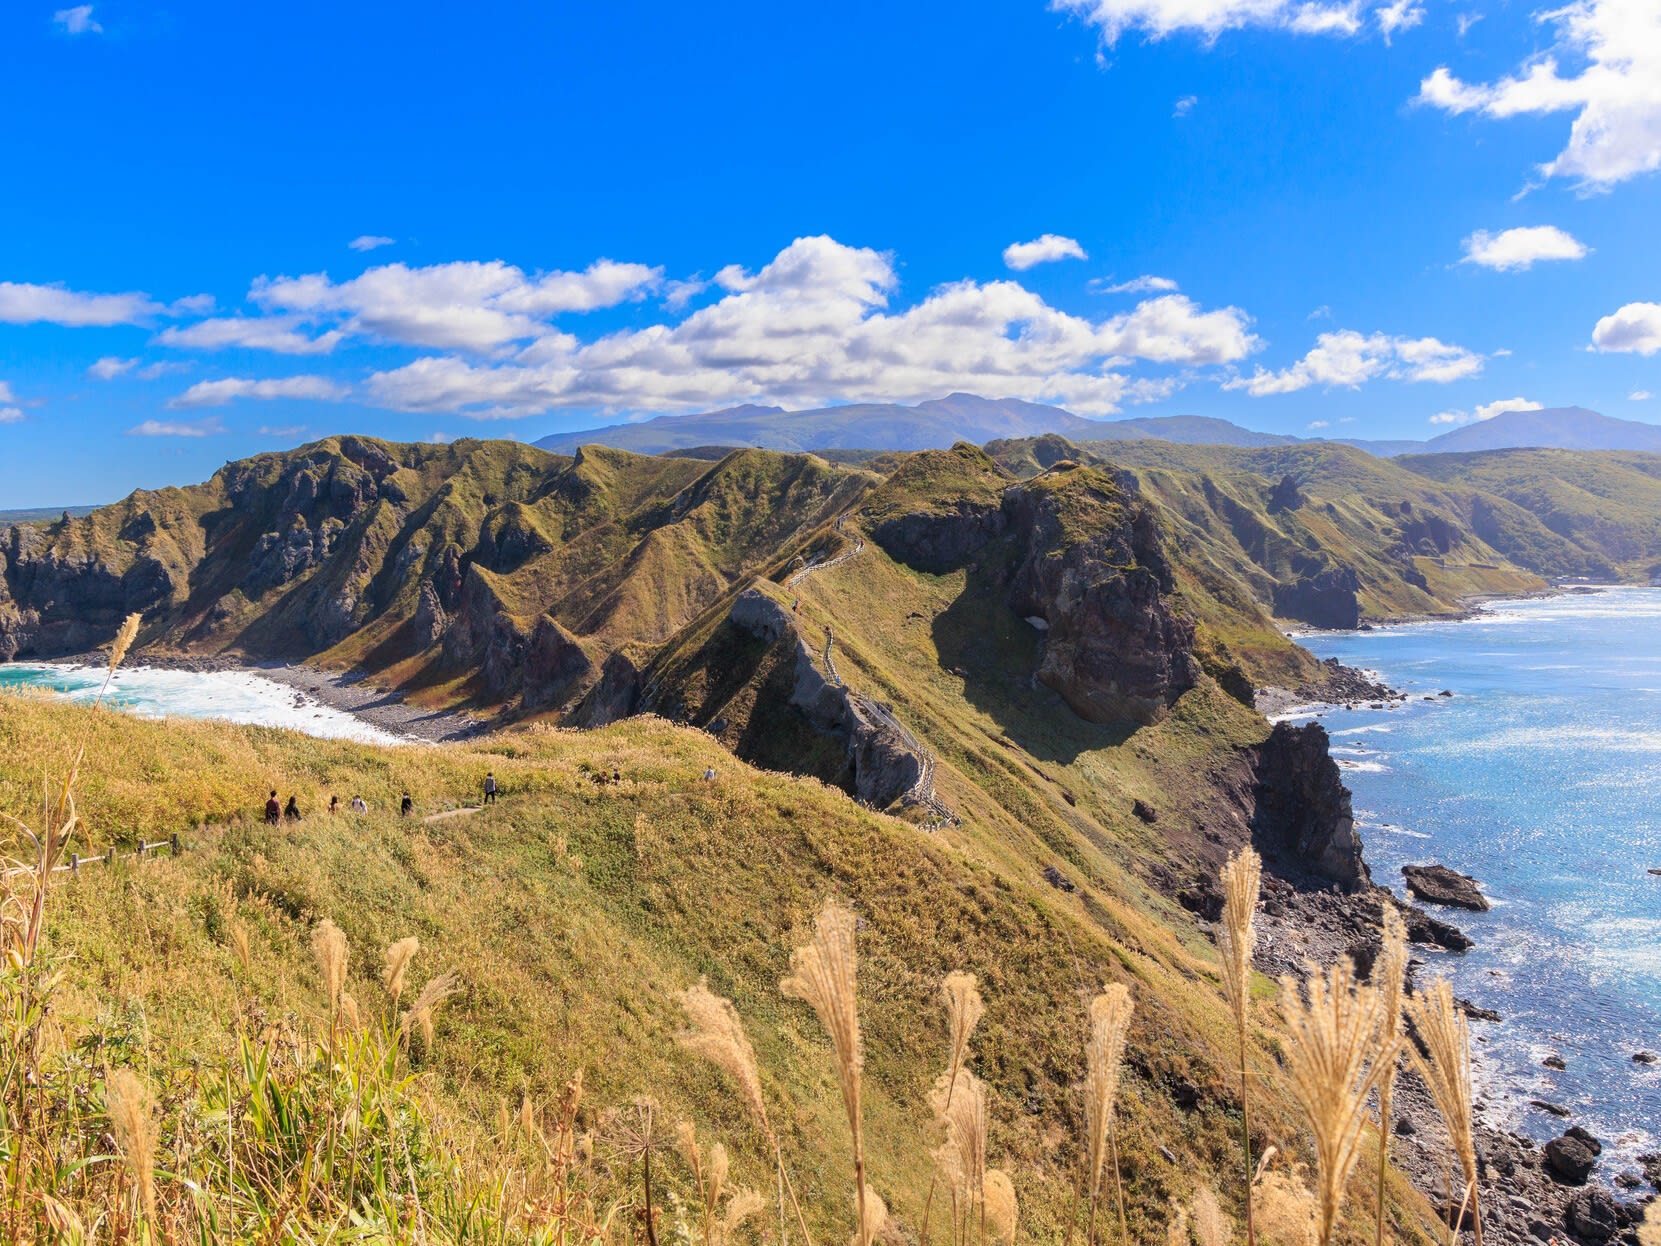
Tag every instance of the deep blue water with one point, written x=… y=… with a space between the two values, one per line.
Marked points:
x=1541 y=777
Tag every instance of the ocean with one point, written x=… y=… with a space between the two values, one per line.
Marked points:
x=238 y=696
x=1541 y=777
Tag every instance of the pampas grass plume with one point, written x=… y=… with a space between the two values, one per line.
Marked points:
x=328 y=945
x=432 y=995
x=398 y=957
x=717 y=1034
x=133 y=1124
x=1447 y=1073
x=1002 y=1211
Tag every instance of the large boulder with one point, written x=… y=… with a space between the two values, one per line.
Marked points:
x=1571 y=1158
x=1437 y=884
x=1594 y=1216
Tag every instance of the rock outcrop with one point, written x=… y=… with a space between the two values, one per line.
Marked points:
x=1090 y=566
x=1302 y=820
x=556 y=668
x=1328 y=598
x=940 y=541
x=1437 y=884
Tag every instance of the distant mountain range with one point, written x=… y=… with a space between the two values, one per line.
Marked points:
x=965 y=417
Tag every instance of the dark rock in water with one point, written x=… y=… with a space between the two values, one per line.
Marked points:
x=1629 y=1180
x=1444 y=693
x=1583 y=1136
x=1656 y=870
x=1554 y=1062
x=1476 y=1013
x=1570 y=1159
x=1427 y=931
x=1303 y=817
x=1644 y=1057
x=1437 y=884
x=1651 y=1164
x=1555 y=1109
x=1145 y=812
x=1594 y=1215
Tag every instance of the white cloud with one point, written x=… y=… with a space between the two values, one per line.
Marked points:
x=1043 y=250
x=280 y=334
x=677 y=294
x=78 y=20
x=467 y=305
x=1159 y=18
x=1347 y=358
x=1485 y=411
x=1635 y=328
x=1184 y=106
x=1615 y=92
x=11 y=415
x=177 y=428
x=6 y=394
x=219 y=393
x=1465 y=21
x=1146 y=284
x=368 y=242
x=285 y=430
x=1398 y=16
x=110 y=367
x=154 y=371
x=1515 y=249
x=813 y=325
x=1323 y=312
x=1639 y=395
x=1313 y=425
x=23 y=303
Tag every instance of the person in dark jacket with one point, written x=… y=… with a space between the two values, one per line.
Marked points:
x=292 y=812
x=406 y=806
x=334 y=805
x=490 y=788
x=273 y=811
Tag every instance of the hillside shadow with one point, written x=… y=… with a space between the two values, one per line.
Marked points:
x=996 y=653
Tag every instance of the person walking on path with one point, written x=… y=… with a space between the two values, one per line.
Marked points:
x=334 y=805
x=273 y=811
x=292 y=812
x=490 y=788
x=406 y=806
x=359 y=805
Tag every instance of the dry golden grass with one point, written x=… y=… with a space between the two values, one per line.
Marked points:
x=1104 y=1052
x=1446 y=1070
x=1242 y=881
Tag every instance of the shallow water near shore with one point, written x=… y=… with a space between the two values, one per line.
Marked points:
x=1541 y=777
x=237 y=696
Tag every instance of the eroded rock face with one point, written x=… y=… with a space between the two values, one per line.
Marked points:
x=1303 y=819
x=556 y=665
x=940 y=542
x=1326 y=599
x=1092 y=569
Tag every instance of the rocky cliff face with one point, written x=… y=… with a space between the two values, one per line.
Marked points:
x=1302 y=821
x=1326 y=599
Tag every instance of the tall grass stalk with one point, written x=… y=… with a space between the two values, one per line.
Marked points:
x=1242 y=879
x=1446 y=1070
x=823 y=975
x=964 y=1008
x=1333 y=1026
x=1104 y=1053
x=1389 y=978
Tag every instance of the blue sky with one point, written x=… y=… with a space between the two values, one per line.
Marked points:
x=1361 y=219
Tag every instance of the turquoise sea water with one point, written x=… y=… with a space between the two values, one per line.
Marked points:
x=1541 y=777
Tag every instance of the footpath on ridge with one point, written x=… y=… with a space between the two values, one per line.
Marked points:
x=922 y=791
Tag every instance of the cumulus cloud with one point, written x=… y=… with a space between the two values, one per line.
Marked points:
x=6 y=392
x=369 y=242
x=1184 y=106
x=1398 y=16
x=1633 y=329
x=1209 y=18
x=1021 y=256
x=1639 y=395
x=177 y=428
x=1514 y=249
x=78 y=20
x=1349 y=359
x=813 y=325
x=23 y=303
x=279 y=334
x=1615 y=91
x=1315 y=425
x=466 y=305
x=11 y=415
x=110 y=367
x=219 y=393
x=1485 y=411
x=1146 y=284
x=284 y=430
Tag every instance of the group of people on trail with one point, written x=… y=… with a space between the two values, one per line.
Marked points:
x=276 y=814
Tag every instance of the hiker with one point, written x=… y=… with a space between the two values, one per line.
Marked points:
x=273 y=811
x=334 y=805
x=406 y=806
x=292 y=812
x=709 y=774
x=359 y=805
x=616 y=776
x=490 y=788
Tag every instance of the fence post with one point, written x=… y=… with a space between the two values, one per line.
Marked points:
x=175 y=843
x=109 y=857
x=74 y=863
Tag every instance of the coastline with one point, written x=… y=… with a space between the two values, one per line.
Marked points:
x=345 y=692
